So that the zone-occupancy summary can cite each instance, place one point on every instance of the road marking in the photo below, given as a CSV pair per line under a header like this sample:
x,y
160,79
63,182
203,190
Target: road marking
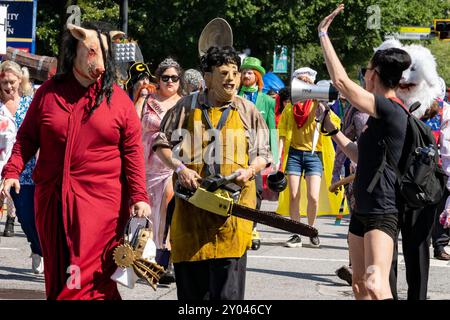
x,y
15,249
433,262
297,258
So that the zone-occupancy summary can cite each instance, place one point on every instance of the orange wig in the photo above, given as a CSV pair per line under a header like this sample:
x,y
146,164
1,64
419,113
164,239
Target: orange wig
x,y
259,80
151,90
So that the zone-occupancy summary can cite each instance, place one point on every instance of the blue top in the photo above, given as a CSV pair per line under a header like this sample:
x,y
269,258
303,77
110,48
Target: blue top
x,y
24,104
251,96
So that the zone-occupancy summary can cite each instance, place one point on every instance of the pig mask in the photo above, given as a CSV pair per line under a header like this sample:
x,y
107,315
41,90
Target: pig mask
x,y
89,62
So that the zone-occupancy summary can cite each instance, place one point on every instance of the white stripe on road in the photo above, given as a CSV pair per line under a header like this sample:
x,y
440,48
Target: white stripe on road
x,y
433,262
15,249
296,258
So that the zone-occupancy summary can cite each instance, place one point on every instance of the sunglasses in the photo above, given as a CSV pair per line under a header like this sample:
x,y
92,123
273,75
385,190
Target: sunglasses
x,y
173,78
364,70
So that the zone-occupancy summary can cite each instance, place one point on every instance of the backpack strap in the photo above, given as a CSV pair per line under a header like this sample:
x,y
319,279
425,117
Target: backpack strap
x,y
387,159
387,156
380,170
400,102
414,106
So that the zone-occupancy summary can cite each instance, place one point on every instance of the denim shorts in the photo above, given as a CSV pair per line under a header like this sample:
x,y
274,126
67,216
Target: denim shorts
x,y
304,163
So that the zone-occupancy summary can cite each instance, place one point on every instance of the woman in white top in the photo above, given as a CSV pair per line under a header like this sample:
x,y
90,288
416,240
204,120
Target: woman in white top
x,y
15,98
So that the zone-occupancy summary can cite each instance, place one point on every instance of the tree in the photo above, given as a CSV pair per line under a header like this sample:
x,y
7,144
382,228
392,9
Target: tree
x,y
50,26
441,52
172,28
260,25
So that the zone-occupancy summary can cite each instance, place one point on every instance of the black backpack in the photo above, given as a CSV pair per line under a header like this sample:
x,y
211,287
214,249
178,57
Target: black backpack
x,y
420,178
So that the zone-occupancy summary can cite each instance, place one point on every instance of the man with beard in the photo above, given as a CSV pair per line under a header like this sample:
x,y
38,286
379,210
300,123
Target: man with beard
x,y
252,74
209,250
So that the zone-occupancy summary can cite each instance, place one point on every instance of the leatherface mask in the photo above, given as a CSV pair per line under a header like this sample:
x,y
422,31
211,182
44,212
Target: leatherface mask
x,y
223,82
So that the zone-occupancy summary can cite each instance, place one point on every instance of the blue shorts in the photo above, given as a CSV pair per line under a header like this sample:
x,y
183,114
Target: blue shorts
x,y
304,163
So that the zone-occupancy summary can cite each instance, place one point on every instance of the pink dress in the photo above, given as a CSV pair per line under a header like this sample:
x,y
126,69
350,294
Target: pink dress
x,y
157,174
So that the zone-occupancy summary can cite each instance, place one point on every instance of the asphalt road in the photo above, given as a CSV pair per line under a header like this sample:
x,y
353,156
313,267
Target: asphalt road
x,y
273,271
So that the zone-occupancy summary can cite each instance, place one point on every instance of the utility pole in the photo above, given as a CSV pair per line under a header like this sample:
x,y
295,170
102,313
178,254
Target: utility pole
x,y
124,16
292,61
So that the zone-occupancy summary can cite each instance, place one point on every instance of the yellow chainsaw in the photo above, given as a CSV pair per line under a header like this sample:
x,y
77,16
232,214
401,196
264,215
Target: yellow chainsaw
x,y
219,195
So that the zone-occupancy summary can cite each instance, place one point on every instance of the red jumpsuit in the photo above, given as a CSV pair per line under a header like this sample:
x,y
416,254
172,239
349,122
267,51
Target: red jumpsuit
x,y
89,171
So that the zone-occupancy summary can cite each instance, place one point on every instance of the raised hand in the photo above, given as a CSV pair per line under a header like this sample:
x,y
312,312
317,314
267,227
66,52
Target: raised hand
x,y
323,26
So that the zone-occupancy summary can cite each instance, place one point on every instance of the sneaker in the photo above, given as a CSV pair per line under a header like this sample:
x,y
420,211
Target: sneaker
x,y
345,273
294,242
37,263
442,255
314,242
9,227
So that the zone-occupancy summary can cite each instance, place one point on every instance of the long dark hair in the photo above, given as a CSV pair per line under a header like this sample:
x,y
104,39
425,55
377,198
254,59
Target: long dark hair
x,y
68,53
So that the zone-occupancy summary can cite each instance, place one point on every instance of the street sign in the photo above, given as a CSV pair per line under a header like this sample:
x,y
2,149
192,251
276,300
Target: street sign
x,y
414,30
21,24
3,24
413,33
413,36
280,60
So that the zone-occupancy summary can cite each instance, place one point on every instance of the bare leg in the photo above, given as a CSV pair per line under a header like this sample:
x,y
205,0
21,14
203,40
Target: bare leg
x,y
378,258
356,250
294,197
168,194
313,190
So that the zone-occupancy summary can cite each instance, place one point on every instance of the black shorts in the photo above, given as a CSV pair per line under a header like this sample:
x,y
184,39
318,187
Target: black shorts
x,y
362,223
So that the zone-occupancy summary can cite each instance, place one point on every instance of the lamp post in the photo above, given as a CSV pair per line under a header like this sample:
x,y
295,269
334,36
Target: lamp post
x,y
124,16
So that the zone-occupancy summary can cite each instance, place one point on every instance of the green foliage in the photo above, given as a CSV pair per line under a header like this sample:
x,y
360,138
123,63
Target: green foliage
x,y
52,17
173,27
441,51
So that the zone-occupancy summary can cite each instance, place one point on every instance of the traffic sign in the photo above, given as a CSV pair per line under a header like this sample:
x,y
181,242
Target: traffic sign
x,y
3,24
413,36
413,33
414,30
21,24
280,60
442,29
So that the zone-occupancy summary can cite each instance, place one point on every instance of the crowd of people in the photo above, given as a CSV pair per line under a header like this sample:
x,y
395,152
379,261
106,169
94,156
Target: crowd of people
x,y
81,154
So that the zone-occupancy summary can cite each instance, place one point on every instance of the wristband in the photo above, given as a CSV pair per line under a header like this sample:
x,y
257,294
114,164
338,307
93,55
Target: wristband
x,y
323,34
332,133
179,168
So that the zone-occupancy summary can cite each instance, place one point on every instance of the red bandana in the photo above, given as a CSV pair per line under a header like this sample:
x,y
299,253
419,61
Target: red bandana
x,y
302,111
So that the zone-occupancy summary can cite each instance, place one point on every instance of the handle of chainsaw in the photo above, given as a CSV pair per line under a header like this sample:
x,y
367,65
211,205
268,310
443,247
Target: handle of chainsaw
x,y
232,176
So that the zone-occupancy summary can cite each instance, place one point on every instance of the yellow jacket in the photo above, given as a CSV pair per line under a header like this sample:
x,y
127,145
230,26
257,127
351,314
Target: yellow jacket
x,y
329,203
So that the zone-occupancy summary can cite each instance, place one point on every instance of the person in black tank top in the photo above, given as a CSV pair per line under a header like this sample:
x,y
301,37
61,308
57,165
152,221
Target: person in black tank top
x,y
373,225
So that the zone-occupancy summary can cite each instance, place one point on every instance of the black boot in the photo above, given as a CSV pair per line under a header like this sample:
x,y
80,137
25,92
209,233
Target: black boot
x,y
168,276
9,227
